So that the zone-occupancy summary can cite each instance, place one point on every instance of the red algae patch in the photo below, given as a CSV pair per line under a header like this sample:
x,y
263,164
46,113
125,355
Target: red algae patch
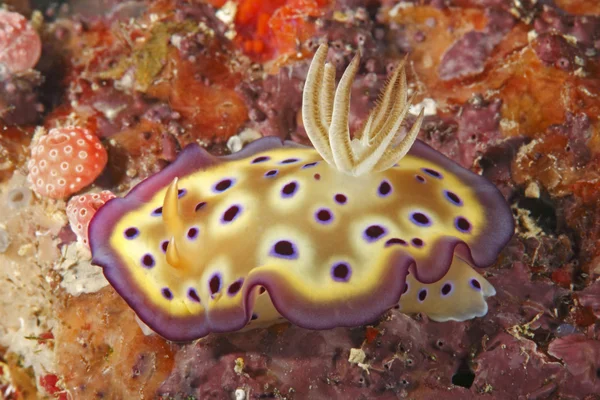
x,y
216,113
65,161
579,7
268,29
20,44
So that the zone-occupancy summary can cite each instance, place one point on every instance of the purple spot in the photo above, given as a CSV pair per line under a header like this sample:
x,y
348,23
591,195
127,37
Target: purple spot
x,y
254,316
181,193
420,219
148,261
317,177
166,292
340,272
289,189
462,224
131,233
231,214
432,172
157,212
235,287
214,285
193,295
394,241
223,185
475,284
200,206
422,295
289,161
384,189
374,233
310,165
324,216
164,245
260,159
446,289
420,179
271,173
453,198
418,242
193,233
340,198
284,249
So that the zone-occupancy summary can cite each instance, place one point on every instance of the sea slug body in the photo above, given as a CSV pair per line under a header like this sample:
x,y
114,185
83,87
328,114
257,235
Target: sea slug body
x,y
328,236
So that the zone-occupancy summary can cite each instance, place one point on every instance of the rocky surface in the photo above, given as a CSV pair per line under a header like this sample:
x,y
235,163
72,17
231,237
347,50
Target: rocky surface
x,y
510,91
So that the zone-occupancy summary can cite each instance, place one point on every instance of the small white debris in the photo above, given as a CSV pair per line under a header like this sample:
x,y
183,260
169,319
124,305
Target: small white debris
x,y
571,39
427,104
238,368
532,191
531,35
126,82
109,111
357,356
240,394
176,41
400,6
234,144
227,12
237,142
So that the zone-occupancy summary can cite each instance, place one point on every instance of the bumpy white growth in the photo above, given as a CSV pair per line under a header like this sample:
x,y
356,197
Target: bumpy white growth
x,y
325,113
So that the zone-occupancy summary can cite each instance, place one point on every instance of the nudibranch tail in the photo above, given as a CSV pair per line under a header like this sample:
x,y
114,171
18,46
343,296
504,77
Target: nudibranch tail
x,y
326,119
460,295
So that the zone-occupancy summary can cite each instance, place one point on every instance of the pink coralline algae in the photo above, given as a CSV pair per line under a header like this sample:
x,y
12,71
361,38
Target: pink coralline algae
x,y
469,54
405,357
20,44
582,359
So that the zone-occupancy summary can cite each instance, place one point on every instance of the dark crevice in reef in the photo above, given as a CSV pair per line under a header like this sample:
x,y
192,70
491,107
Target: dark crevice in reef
x,y
463,376
542,210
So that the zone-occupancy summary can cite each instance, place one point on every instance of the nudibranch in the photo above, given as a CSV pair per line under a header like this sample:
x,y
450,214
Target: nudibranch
x,y
328,236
